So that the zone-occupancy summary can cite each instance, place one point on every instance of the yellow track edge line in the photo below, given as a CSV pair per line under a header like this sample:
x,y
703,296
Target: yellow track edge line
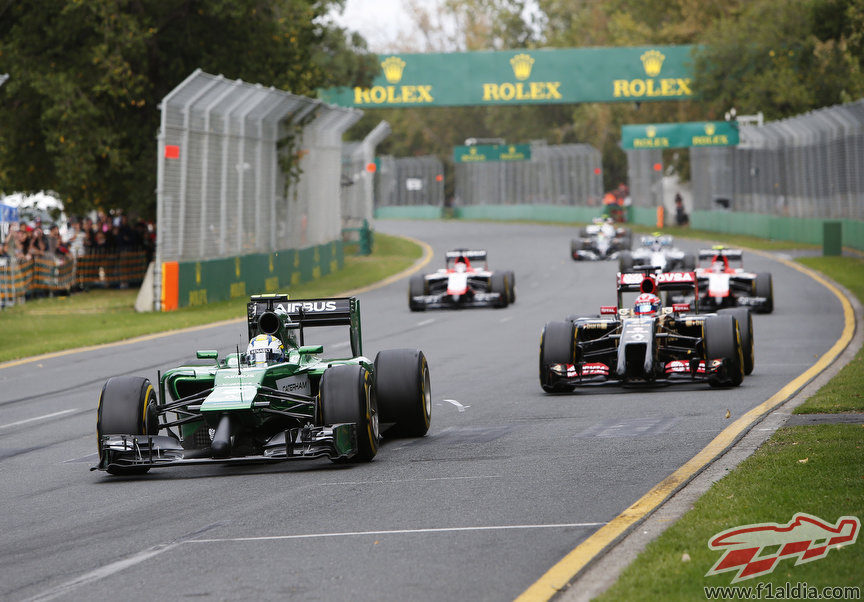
x,y
556,578
418,265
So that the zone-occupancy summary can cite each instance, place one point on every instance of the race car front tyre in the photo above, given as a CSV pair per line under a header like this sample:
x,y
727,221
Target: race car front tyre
x,y
127,406
511,286
416,288
765,288
556,347
498,284
403,392
346,396
745,329
575,247
723,341
625,261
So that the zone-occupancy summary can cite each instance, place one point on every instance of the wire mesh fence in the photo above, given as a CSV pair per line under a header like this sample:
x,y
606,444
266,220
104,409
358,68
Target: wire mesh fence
x,y
246,169
808,166
358,179
646,181
410,182
567,174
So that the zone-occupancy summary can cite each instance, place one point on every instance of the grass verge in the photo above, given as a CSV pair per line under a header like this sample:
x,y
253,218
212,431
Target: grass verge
x,y
813,469
102,316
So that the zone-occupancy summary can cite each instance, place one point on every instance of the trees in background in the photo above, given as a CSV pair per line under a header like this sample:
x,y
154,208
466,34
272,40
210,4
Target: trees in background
x,y
79,111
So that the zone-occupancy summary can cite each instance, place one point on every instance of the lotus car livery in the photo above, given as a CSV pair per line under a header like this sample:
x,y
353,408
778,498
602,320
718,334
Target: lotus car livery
x,y
675,344
600,240
466,281
723,282
659,252
278,401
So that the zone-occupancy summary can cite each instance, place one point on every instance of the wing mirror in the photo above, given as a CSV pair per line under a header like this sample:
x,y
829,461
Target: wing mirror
x,y
206,354
310,349
608,310
680,307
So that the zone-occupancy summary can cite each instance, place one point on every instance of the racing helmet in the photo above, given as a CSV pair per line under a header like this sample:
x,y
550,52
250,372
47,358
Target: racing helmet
x,y
647,304
263,349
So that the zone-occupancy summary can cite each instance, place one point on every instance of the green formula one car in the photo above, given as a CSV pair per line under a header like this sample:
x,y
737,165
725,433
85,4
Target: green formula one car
x,y
280,400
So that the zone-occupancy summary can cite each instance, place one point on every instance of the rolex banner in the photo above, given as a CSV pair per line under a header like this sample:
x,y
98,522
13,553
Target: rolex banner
x,y
548,76
678,135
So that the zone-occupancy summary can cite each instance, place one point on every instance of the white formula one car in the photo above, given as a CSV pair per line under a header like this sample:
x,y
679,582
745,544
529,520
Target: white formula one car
x,y
659,251
462,283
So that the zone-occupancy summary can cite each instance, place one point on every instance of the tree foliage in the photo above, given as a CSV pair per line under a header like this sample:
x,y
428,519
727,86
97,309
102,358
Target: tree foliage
x,y
79,111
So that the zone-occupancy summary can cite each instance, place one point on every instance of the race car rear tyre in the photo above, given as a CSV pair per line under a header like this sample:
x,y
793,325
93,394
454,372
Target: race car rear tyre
x,y
723,341
765,288
511,286
625,261
127,406
346,396
688,262
403,392
745,329
498,284
556,347
416,288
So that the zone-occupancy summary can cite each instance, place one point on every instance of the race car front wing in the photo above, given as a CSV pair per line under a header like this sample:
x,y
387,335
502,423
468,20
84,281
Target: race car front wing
x,y
444,300
335,441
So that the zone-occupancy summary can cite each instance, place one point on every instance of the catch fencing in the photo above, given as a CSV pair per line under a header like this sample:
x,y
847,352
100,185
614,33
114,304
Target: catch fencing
x,y
358,188
244,169
808,166
564,175
410,182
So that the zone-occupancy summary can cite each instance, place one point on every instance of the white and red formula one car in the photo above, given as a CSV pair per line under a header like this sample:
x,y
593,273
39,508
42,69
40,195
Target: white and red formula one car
x,y
466,281
722,284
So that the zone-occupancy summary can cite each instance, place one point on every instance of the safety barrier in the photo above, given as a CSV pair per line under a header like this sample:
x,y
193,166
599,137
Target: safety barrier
x,y
22,278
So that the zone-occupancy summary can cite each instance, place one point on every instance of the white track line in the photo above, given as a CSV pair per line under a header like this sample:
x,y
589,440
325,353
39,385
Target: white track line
x,y
44,417
425,322
394,532
327,484
102,572
458,405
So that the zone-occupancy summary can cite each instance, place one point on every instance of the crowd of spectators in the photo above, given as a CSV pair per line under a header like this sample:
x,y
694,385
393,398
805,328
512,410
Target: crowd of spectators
x,y
105,234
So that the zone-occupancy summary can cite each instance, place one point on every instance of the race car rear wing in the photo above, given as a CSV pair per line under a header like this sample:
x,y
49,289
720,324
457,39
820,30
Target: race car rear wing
x,y
646,282
731,254
469,254
268,313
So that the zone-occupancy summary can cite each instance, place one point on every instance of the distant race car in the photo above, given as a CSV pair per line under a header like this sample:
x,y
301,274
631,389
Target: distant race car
x,y
466,281
723,285
280,400
648,344
600,240
659,251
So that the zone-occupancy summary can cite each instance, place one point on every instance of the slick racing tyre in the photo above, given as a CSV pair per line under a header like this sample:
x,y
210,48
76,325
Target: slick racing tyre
x,y
127,406
498,284
511,286
402,391
745,329
556,347
416,288
723,341
575,247
625,261
765,288
346,396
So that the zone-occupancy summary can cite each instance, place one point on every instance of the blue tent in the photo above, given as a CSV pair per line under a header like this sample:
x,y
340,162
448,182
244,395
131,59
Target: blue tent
x,y
8,213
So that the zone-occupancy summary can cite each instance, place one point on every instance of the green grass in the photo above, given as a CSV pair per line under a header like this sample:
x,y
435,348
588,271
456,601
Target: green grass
x,y
103,316
844,392
813,469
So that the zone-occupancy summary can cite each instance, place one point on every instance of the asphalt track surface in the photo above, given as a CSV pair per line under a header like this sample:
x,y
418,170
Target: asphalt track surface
x,y
507,482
